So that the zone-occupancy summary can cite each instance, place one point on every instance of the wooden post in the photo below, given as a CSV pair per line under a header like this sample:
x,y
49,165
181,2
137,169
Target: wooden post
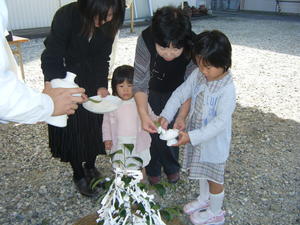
x,y
16,41
132,17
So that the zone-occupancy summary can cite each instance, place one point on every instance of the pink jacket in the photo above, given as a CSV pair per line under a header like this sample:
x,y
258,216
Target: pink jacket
x,y
125,121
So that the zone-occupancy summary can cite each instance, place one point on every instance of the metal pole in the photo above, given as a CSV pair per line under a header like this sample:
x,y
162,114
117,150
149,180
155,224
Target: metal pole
x,y
150,7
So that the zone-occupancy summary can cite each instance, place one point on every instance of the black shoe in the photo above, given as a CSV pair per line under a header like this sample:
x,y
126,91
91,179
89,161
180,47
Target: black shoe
x,y
173,178
92,174
154,179
84,187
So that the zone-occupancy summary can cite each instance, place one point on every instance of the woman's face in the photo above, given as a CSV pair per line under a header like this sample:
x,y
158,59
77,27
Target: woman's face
x,y
168,53
108,18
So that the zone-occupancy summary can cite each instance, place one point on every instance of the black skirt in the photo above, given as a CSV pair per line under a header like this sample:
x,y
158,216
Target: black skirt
x,y
81,140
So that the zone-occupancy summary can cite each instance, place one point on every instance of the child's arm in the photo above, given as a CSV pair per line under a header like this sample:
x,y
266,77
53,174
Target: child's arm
x,y
106,128
179,96
225,109
107,132
107,145
181,117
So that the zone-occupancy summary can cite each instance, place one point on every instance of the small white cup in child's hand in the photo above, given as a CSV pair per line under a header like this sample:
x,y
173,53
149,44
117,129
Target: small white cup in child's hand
x,y
171,142
168,135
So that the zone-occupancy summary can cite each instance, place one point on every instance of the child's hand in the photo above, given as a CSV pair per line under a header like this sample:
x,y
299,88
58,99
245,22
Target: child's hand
x,y
163,123
179,123
108,145
103,92
183,139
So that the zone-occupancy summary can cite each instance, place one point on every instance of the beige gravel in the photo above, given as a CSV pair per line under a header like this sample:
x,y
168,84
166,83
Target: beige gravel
x,y
262,176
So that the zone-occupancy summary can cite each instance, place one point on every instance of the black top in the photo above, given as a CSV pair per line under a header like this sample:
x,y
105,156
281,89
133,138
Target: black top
x,y
68,50
165,76
88,57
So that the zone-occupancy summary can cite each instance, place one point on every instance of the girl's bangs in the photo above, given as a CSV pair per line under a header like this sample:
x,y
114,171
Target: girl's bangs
x,y
205,61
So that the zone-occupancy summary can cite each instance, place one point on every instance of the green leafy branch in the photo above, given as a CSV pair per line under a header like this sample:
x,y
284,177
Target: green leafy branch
x,y
123,163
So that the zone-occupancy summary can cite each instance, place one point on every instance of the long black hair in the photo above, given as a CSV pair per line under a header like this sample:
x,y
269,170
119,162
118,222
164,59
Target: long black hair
x,y
214,48
121,74
90,9
171,25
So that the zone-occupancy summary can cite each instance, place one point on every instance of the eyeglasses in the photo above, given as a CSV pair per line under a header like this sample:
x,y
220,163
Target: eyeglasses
x,y
155,71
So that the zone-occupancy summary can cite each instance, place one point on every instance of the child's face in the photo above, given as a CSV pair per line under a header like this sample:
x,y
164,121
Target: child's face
x,y
124,90
210,72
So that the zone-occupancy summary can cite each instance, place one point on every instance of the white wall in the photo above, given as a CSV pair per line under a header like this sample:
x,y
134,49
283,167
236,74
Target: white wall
x,y
161,3
39,13
269,6
64,2
290,7
25,14
196,3
30,13
260,5
142,7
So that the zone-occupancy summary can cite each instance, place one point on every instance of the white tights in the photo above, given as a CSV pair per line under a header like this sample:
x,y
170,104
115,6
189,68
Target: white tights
x,y
204,190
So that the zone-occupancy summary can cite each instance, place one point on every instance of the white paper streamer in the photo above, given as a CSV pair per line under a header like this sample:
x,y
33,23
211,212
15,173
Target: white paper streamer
x,y
122,194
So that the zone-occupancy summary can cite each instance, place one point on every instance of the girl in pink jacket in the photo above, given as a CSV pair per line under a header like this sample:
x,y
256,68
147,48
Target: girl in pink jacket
x,y
123,126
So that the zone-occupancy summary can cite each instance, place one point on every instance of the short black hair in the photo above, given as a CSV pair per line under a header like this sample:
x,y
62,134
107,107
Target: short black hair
x,y
214,48
171,25
89,9
121,74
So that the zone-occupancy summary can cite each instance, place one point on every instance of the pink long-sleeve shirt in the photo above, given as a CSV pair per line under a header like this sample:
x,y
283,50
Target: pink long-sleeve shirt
x,y
125,122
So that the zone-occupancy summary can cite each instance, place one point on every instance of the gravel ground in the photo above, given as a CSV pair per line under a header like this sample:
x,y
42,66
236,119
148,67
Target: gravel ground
x,y
262,175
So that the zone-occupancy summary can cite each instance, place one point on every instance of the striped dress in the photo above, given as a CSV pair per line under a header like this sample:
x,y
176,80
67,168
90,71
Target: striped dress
x,y
198,169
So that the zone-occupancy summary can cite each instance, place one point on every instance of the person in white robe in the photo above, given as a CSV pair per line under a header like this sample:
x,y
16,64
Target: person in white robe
x,y
18,102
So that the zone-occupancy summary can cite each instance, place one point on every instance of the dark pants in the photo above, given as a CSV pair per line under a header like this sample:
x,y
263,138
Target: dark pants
x,y
161,154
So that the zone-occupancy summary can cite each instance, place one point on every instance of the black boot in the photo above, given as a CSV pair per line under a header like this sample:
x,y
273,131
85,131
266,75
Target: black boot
x,y
83,186
91,174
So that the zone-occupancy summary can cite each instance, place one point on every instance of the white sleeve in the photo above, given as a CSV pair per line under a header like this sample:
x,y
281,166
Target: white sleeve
x,y
18,103
179,96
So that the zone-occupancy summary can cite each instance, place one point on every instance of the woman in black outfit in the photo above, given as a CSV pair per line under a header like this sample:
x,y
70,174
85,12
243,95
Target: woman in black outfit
x,y
162,62
80,41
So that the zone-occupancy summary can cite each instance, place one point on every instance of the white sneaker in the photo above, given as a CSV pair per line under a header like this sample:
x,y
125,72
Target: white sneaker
x,y
207,218
194,206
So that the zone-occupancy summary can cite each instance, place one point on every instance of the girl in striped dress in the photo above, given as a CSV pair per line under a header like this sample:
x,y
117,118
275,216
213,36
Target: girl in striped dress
x,y
208,135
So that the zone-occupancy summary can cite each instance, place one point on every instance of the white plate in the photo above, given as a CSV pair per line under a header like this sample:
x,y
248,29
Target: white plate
x,y
107,104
